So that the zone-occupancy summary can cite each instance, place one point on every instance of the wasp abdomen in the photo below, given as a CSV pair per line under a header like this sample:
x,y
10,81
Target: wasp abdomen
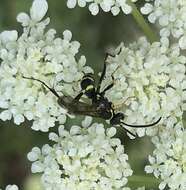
x,y
88,85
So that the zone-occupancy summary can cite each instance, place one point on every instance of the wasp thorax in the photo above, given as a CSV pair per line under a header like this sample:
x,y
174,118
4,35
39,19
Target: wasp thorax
x,y
103,104
104,108
88,85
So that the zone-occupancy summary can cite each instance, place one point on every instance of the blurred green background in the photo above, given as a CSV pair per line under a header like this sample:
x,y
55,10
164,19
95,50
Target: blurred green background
x,y
96,34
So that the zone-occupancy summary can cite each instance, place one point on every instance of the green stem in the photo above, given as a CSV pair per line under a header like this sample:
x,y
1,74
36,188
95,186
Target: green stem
x,y
139,181
151,35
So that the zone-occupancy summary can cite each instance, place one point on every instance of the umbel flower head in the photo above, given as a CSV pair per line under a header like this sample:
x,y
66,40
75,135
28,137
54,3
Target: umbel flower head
x,y
37,53
84,158
149,82
113,6
170,15
168,161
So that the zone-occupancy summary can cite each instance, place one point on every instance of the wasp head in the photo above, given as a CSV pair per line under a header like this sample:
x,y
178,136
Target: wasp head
x,y
117,118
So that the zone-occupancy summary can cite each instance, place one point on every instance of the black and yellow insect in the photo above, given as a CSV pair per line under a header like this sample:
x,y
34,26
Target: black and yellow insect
x,y
100,106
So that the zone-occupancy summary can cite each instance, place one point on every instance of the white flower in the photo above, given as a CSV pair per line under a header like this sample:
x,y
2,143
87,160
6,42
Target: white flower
x,y
38,9
82,158
170,14
94,9
106,5
71,3
8,36
141,188
37,12
11,187
37,53
169,158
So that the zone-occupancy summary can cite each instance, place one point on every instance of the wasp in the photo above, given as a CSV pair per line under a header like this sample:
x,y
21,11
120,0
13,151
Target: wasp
x,y
100,106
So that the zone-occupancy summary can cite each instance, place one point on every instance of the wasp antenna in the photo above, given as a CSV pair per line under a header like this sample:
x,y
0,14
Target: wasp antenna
x,y
128,131
141,126
51,89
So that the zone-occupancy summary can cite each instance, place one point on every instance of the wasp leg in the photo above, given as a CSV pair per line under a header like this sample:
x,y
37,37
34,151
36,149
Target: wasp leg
x,y
102,76
104,70
108,87
118,105
128,131
77,98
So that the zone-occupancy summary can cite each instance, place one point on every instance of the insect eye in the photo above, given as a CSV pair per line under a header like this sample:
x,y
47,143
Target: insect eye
x,y
120,116
116,120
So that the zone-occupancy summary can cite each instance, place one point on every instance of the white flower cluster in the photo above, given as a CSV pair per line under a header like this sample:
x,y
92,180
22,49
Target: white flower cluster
x,y
169,158
113,6
149,82
171,16
84,158
11,187
153,75
37,53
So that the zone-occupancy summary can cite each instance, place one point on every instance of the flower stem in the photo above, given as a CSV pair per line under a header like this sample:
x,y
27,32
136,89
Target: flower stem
x,y
150,34
147,181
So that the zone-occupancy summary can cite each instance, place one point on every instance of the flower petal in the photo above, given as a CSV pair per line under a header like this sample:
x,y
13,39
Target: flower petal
x,y
38,9
8,36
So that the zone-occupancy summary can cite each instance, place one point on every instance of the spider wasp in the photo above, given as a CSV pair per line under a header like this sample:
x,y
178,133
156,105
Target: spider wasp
x,y
100,106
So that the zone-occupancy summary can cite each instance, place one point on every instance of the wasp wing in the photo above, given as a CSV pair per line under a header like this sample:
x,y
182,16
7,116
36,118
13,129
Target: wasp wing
x,y
78,108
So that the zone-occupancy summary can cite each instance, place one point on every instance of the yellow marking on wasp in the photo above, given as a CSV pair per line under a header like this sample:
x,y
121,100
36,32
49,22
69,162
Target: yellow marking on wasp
x,y
89,87
112,112
88,77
